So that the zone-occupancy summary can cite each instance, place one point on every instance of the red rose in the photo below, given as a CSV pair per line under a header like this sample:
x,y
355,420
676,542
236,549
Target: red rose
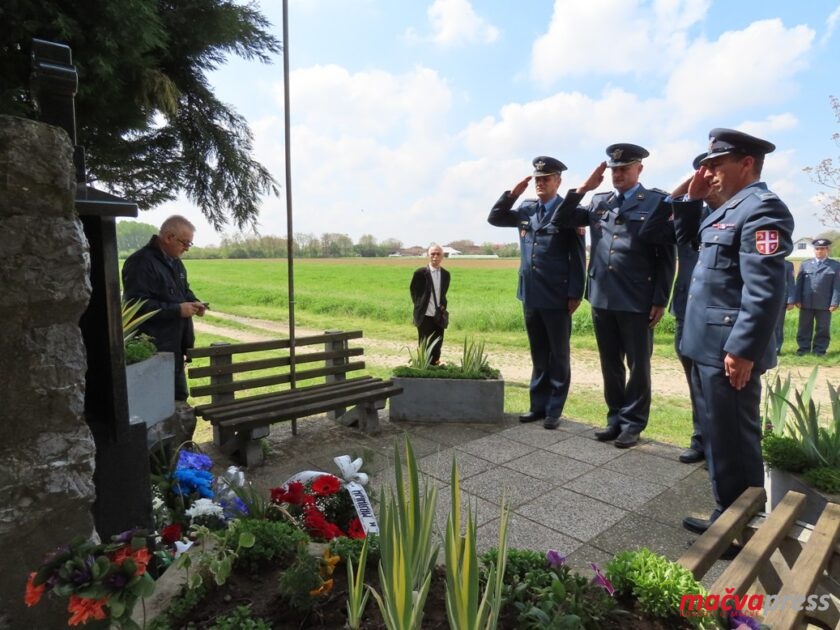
x,y
326,485
171,533
355,529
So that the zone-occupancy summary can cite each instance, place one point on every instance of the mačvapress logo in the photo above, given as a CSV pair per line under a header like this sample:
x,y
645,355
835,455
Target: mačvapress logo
x,y
750,605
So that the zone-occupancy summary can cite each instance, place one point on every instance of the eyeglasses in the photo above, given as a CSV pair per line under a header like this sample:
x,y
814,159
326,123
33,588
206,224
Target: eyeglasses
x,y
186,244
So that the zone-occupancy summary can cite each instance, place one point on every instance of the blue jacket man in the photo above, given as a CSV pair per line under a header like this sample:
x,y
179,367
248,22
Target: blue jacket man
x,y
629,284
817,296
737,291
790,301
551,276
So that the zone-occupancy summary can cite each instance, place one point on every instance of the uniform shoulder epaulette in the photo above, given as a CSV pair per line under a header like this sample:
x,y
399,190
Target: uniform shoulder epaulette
x,y
664,193
530,200
768,196
608,193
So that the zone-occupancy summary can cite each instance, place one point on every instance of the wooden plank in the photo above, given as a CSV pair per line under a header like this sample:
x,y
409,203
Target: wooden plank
x,y
708,548
808,568
260,420
300,397
209,408
273,344
278,379
740,574
264,364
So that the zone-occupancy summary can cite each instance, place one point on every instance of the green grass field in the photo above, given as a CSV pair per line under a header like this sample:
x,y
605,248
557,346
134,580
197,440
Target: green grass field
x,y
372,295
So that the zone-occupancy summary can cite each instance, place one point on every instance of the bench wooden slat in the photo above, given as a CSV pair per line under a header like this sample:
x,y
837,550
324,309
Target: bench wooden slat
x,y
287,413
264,364
246,400
740,574
808,568
300,396
279,379
708,548
273,344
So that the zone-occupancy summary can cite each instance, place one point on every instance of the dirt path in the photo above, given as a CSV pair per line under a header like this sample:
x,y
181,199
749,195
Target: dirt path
x,y
667,375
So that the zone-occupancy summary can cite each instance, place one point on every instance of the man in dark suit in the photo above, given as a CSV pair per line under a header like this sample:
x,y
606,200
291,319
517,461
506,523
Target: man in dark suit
x,y
817,296
428,289
737,290
790,302
629,284
550,285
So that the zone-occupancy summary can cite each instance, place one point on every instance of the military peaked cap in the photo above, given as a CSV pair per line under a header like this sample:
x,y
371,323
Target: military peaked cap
x,y
821,242
698,160
544,165
726,141
622,154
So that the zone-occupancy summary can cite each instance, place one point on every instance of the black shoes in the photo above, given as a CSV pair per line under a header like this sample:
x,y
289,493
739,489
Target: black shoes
x,y
551,423
626,439
531,416
696,525
691,456
608,434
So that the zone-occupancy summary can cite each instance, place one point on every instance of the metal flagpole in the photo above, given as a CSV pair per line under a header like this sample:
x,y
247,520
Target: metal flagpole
x,y
289,230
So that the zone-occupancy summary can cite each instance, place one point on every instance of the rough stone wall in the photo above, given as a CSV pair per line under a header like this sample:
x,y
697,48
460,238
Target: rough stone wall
x,y
46,449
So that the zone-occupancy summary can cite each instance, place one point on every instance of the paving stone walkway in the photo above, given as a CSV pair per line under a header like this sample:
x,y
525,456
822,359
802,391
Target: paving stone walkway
x,y
569,492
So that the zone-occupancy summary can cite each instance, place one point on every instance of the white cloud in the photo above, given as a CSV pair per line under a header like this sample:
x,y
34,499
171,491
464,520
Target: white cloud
x,y
454,23
830,25
614,37
753,66
769,126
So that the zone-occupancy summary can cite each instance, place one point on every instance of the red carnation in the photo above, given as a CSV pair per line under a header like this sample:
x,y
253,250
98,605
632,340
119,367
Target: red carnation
x,y
355,529
326,485
293,493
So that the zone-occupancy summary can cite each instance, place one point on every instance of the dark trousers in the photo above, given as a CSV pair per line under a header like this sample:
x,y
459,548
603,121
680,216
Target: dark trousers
x,y
181,392
548,331
780,330
731,431
696,401
428,328
816,323
621,336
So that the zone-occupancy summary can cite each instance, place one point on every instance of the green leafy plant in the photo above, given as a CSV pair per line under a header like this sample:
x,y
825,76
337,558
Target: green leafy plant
x,y
240,619
139,349
301,582
216,555
775,403
464,609
825,478
473,357
539,591
421,358
131,320
657,584
784,453
407,555
357,594
274,542
351,548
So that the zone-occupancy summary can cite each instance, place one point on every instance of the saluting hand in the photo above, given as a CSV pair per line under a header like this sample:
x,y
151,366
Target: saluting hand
x,y
594,180
738,370
680,190
699,187
520,187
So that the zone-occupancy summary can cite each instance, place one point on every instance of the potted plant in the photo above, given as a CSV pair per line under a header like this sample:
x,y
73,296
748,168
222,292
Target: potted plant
x,y
148,373
801,447
470,392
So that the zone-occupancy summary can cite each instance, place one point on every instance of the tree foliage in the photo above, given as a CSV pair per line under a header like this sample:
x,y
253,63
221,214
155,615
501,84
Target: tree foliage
x,y
146,114
132,235
827,174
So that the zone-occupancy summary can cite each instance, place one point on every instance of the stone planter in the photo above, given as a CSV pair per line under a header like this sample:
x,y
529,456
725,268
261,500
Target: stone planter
x,y
778,482
448,400
151,389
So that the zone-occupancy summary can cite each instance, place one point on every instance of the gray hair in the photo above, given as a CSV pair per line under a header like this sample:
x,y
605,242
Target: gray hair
x,y
174,222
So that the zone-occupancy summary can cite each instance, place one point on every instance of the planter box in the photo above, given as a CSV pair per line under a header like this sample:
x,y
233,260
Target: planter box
x,y
778,482
448,400
151,389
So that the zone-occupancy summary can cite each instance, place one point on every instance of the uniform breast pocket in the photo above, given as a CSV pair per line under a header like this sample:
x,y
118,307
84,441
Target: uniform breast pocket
x,y
719,250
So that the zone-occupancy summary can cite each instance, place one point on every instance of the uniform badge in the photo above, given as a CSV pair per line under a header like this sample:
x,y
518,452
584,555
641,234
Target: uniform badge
x,y
540,164
767,241
640,196
616,154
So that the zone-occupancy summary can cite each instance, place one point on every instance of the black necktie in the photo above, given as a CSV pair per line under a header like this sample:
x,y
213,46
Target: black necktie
x,y
540,213
619,200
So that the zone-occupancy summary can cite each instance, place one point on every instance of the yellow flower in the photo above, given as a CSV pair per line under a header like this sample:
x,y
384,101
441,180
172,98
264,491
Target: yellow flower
x,y
328,563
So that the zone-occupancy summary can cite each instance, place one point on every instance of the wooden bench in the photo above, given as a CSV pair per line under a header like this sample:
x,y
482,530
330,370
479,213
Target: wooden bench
x,y
780,556
241,413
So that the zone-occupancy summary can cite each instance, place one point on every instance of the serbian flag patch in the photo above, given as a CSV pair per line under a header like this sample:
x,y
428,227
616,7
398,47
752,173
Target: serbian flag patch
x,y
767,241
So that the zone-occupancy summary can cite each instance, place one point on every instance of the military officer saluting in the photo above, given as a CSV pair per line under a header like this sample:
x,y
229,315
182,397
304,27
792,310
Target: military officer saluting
x,y
629,284
817,296
551,277
737,290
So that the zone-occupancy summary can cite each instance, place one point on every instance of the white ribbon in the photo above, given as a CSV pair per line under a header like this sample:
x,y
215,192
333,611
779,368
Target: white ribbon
x,y
350,470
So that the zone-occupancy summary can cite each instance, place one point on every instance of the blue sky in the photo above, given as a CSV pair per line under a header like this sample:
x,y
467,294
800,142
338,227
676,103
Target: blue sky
x,y
410,118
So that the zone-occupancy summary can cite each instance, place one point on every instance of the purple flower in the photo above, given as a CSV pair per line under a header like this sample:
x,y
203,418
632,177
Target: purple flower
x,y
125,537
118,580
601,580
187,459
555,560
740,621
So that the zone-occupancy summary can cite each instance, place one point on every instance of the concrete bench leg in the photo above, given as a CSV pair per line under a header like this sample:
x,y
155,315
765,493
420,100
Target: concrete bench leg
x,y
364,416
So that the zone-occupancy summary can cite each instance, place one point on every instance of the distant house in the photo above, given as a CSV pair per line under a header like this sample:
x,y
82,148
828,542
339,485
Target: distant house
x,y
802,248
450,251
416,250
